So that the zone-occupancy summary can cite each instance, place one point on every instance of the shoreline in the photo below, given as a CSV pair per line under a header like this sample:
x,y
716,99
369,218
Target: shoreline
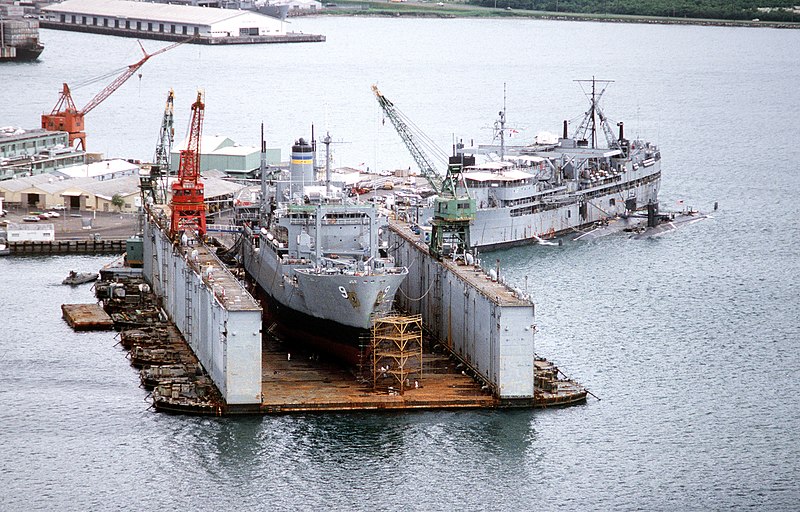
x,y
451,10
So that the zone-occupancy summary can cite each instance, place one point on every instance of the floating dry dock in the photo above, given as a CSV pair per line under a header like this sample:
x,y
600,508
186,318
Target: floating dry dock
x,y
484,358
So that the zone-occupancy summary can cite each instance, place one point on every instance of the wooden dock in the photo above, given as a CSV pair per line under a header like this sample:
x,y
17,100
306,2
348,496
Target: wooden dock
x,y
85,317
102,246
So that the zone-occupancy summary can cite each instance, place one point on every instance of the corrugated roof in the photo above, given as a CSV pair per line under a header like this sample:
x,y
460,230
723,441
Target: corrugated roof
x,y
17,184
124,186
95,169
151,11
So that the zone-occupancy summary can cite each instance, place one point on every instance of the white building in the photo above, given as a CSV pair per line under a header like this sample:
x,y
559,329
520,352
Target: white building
x,y
157,18
31,232
304,6
100,171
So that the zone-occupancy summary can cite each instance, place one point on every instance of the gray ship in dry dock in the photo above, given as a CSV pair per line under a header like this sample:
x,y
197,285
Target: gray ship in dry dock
x,y
559,185
317,256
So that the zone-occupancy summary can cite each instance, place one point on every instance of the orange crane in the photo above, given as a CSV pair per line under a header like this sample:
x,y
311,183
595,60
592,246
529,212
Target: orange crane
x,y
187,204
66,117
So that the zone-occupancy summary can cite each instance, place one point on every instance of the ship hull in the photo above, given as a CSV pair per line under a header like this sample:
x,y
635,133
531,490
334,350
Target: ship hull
x,y
26,54
347,300
496,228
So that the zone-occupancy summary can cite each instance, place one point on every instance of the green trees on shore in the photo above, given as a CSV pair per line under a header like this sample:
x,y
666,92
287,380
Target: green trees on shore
x,y
780,10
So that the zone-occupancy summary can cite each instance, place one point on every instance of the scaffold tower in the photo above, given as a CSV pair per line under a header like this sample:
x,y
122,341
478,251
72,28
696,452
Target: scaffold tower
x,y
396,343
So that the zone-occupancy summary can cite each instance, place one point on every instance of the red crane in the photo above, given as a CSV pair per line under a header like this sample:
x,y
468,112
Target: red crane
x,y
188,206
66,117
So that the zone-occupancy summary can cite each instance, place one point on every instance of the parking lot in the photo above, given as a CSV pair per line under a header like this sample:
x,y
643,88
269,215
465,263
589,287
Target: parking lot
x,y
73,224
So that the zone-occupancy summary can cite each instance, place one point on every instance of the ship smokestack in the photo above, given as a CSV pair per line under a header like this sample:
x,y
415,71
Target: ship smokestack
x,y
565,136
621,131
302,167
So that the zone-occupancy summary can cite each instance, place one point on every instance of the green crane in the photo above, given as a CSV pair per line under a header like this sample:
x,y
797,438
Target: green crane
x,y
154,185
453,213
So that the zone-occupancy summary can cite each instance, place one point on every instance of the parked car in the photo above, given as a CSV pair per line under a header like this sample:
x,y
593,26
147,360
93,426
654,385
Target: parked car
x,y
59,207
43,216
54,215
30,218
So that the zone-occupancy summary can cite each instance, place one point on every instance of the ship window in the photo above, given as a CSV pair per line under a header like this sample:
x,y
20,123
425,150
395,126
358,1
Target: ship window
x,y
569,213
127,24
105,22
161,27
149,27
138,25
172,28
116,23
64,18
196,30
612,201
73,18
94,21
185,30
83,19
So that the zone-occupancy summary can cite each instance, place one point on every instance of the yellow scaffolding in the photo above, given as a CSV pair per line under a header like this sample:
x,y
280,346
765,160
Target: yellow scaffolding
x,y
396,344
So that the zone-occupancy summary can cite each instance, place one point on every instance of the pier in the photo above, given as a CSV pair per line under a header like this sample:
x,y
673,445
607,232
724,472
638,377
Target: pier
x,y
91,246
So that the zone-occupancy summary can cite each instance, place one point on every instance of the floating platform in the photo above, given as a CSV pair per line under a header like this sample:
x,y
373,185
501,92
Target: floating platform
x,y
85,317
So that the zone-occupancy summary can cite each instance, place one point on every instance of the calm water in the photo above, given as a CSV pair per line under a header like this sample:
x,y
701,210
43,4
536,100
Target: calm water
x,y
691,340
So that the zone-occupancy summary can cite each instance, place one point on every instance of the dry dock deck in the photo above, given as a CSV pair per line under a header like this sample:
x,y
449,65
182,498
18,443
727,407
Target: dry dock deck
x,y
304,384
86,317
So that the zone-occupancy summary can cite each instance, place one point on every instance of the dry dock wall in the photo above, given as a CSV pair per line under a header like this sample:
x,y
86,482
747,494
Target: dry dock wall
x,y
482,321
217,317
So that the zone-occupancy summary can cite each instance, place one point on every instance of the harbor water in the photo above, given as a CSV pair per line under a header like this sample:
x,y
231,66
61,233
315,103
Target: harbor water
x,y
690,340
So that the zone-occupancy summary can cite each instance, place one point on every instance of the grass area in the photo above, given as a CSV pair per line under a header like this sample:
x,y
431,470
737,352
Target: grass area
x,y
461,10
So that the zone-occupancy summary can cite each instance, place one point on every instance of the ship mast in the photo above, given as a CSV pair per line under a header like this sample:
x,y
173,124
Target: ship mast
x,y
589,122
327,142
500,126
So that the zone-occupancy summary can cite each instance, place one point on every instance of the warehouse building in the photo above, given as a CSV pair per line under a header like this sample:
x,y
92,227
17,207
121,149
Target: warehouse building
x,y
223,154
160,21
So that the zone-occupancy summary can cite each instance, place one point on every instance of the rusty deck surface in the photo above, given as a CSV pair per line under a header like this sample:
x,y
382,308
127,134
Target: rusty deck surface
x,y
86,316
304,383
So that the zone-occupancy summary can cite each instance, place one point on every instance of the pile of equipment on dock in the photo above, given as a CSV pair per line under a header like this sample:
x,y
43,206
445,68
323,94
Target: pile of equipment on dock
x,y
167,366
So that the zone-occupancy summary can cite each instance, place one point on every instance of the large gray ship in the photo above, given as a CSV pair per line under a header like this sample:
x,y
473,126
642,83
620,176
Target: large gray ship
x,y
559,185
317,257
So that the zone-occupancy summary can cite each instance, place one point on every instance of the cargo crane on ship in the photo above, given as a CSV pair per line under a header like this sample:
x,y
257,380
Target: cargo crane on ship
x,y
187,204
153,185
453,212
66,117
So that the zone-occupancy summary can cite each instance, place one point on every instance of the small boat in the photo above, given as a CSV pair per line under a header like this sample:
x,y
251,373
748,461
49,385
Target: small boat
x,y
4,250
76,278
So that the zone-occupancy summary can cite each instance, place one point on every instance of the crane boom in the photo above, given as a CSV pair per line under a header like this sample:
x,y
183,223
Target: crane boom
x,y
122,78
406,134
166,136
66,117
188,206
452,213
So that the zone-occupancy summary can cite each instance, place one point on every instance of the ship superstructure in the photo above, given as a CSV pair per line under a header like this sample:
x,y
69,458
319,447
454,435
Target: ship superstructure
x,y
317,253
559,184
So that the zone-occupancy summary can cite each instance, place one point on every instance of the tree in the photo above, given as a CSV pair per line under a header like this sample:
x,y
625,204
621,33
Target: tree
x,y
118,201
